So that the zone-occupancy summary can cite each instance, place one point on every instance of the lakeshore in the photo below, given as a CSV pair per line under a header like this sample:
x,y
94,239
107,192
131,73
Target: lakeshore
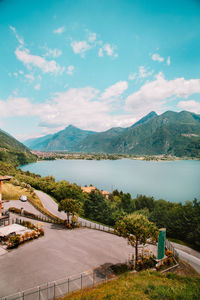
x,y
43,155
175,181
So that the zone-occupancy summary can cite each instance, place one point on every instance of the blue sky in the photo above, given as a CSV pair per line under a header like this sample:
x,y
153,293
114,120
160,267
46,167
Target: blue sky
x,y
95,64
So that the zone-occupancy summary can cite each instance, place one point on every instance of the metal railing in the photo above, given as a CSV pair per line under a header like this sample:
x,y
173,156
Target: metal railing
x,y
170,247
61,287
96,226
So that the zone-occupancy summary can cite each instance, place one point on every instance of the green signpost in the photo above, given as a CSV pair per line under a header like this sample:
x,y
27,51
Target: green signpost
x,y
161,243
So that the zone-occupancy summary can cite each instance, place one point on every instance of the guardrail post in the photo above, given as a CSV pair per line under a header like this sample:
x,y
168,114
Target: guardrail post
x,y
38,293
54,290
68,286
81,282
48,292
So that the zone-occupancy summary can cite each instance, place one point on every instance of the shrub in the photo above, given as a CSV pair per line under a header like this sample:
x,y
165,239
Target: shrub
x,y
28,224
145,262
15,210
119,268
13,241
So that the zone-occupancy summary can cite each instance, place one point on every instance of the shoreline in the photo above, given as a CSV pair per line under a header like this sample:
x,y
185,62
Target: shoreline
x,y
42,156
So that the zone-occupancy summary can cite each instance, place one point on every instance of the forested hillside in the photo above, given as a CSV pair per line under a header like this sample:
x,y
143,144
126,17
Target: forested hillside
x,y
13,151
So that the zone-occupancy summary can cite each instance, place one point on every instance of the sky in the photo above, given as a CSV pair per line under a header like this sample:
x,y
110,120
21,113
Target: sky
x,y
95,64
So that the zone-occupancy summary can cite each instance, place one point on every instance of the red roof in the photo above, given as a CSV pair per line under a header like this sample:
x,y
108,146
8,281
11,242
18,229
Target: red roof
x,y
4,178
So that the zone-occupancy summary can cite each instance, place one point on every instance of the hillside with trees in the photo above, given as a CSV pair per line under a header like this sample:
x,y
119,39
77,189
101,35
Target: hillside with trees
x,y
13,151
181,220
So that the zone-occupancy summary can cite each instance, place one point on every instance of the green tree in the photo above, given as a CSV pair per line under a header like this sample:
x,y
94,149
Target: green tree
x,y
137,229
97,208
70,207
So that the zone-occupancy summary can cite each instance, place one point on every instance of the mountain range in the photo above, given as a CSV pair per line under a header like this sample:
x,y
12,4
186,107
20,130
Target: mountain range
x,y
171,133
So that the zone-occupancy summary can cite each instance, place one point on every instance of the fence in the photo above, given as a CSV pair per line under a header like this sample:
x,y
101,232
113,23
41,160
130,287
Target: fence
x,y
5,221
59,288
170,247
28,215
46,212
96,226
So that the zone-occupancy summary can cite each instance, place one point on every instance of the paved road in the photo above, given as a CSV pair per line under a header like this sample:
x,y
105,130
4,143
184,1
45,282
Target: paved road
x,y
25,205
52,207
189,255
186,253
59,254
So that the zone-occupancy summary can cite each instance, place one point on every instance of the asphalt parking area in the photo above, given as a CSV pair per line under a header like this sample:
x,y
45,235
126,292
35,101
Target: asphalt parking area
x,y
59,254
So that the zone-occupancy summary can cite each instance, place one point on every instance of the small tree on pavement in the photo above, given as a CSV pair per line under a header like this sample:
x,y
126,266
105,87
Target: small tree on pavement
x,y
137,229
69,206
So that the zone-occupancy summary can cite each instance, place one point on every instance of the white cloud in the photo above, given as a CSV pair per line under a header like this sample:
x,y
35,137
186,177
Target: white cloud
x,y
15,107
100,53
110,50
80,107
91,42
168,61
38,61
21,72
190,105
143,73
132,76
59,30
37,87
70,70
80,47
153,95
53,53
30,77
92,36
20,39
157,57
115,90
15,74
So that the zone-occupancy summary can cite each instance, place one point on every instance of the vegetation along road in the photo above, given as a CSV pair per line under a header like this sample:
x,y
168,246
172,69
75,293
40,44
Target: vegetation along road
x,y
52,207
186,253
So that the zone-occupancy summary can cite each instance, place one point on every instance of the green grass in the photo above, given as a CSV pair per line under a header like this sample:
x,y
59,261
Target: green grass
x,y
143,286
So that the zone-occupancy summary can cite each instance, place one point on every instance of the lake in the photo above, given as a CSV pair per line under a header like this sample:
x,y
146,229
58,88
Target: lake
x,y
175,181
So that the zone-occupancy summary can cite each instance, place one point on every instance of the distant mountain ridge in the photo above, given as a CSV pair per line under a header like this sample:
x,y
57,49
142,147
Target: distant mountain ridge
x,y
170,133
63,140
13,151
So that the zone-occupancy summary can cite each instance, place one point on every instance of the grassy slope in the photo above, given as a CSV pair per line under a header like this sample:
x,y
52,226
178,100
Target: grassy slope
x,y
143,286
12,192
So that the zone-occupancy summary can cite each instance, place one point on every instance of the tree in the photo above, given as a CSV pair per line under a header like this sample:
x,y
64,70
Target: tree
x,y
137,229
69,206
97,208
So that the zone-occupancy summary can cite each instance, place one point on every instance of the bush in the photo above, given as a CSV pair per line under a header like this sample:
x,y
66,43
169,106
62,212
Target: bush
x,y
145,262
15,210
13,241
28,224
119,268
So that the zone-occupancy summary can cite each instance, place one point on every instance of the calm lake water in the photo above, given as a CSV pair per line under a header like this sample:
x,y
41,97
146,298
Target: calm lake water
x,y
175,181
